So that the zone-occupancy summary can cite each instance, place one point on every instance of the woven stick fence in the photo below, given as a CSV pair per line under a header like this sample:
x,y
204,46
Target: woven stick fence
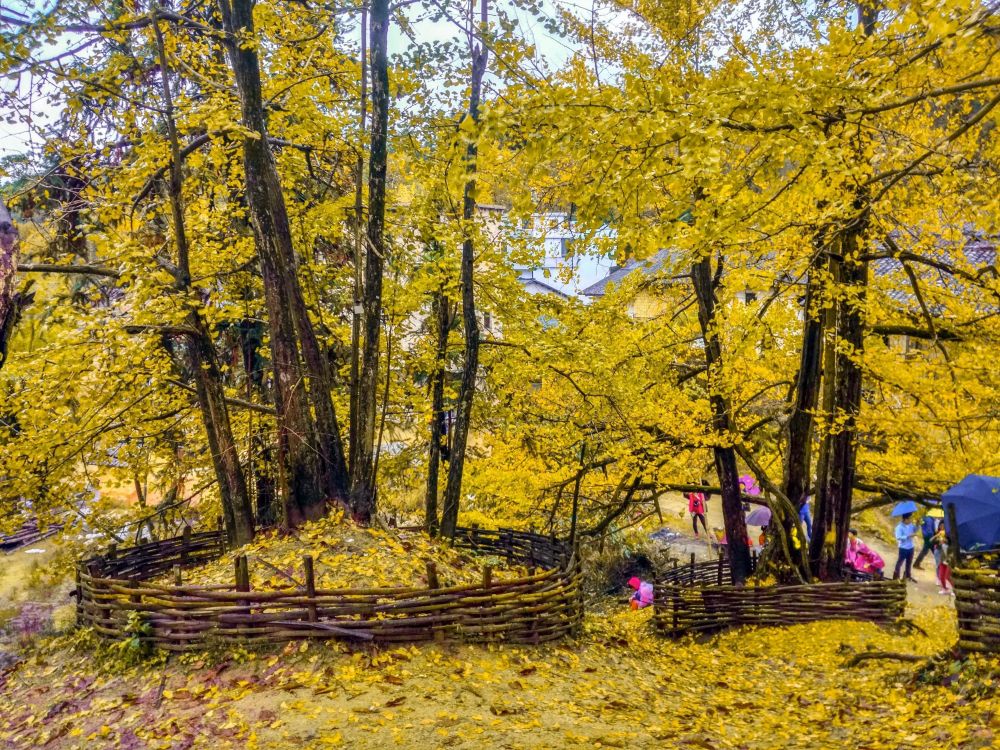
x,y
543,606
977,600
699,598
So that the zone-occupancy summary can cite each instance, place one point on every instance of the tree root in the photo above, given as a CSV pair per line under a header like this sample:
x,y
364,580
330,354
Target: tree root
x,y
867,655
906,623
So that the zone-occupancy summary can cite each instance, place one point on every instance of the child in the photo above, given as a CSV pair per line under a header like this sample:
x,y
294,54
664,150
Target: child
x,y
696,506
643,595
939,545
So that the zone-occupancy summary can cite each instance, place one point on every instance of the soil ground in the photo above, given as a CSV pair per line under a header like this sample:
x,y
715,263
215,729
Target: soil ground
x,y
616,685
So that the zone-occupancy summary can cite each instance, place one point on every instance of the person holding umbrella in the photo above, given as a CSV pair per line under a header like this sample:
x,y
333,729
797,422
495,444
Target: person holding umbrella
x,y
905,531
928,528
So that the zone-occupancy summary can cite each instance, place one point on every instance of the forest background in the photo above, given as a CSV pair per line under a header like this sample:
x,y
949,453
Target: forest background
x,y
251,262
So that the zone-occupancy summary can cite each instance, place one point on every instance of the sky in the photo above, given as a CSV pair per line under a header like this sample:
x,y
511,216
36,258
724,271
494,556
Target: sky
x,y
37,110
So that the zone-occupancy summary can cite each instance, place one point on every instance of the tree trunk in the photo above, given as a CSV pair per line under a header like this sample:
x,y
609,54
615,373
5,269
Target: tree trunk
x,y
363,497
453,489
236,506
438,441
311,456
799,432
359,252
823,520
10,247
267,509
847,403
237,509
725,456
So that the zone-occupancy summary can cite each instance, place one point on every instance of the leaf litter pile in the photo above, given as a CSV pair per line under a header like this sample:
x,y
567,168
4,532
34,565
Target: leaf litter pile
x,y
617,685
349,556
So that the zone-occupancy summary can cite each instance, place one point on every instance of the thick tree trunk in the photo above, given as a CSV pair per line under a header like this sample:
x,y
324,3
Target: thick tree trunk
x,y
311,454
725,456
363,495
438,439
470,368
850,332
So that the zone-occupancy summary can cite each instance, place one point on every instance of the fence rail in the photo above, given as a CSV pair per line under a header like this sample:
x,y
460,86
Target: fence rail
x,y
698,598
977,601
544,605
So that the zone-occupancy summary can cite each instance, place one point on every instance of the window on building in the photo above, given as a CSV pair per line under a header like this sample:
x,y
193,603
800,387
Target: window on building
x,y
487,321
749,297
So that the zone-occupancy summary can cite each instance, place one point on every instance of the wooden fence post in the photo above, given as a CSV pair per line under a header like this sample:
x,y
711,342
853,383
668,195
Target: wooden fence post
x,y
185,544
307,567
178,578
243,581
220,530
433,583
692,568
720,568
104,612
135,600
432,576
79,596
487,576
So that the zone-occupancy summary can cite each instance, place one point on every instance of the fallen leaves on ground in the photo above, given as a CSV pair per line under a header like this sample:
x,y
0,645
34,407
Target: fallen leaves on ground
x,y
617,685
349,556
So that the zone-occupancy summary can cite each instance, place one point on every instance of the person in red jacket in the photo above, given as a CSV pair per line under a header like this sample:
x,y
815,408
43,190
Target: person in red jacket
x,y
696,506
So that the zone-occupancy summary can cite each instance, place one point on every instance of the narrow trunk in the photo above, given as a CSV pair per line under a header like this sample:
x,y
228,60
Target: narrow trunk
x,y
799,431
823,521
438,447
267,510
311,456
453,489
236,506
9,252
237,509
362,469
725,456
359,253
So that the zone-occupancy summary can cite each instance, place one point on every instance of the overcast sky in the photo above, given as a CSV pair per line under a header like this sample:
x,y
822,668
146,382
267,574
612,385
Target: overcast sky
x,y
21,135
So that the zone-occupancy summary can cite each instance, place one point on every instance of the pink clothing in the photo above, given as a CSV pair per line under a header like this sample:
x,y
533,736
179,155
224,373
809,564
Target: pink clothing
x,y
644,592
863,558
696,502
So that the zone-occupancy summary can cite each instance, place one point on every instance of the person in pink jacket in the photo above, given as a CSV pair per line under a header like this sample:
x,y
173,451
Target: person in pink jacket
x,y
861,557
643,595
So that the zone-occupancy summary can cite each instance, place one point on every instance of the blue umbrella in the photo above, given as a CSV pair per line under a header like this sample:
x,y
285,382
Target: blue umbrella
x,y
904,508
977,511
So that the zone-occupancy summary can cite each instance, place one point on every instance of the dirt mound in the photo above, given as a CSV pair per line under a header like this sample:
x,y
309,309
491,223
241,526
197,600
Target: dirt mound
x,y
349,556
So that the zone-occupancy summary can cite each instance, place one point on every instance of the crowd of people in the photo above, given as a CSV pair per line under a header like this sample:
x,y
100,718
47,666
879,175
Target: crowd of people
x,y
857,555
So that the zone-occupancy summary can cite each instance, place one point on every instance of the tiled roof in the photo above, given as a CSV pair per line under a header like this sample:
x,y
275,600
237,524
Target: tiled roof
x,y
649,266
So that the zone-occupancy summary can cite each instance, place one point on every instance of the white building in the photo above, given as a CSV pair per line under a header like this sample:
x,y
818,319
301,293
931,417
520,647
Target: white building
x,y
565,266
